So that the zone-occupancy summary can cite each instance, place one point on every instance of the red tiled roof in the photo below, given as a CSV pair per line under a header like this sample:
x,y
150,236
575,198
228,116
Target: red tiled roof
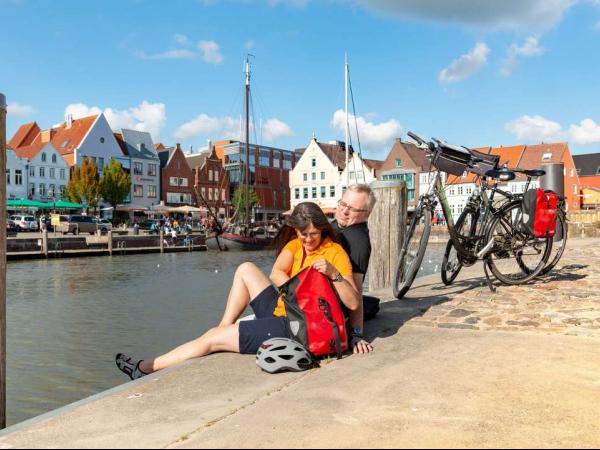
x,y
121,142
590,182
24,135
336,153
30,151
66,140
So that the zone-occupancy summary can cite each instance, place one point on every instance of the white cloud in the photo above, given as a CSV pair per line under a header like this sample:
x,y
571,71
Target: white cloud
x,y
227,127
588,132
169,54
274,129
371,134
530,48
466,65
535,129
150,117
181,39
249,45
18,110
537,15
211,52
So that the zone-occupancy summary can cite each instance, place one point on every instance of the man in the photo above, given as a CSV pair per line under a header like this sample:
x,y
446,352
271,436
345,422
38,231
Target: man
x,y
350,222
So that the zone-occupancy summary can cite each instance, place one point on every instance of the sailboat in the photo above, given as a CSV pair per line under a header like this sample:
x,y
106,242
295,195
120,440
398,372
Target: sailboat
x,y
243,235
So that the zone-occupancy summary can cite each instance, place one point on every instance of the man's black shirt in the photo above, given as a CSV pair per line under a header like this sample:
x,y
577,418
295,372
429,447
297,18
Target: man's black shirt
x,y
357,243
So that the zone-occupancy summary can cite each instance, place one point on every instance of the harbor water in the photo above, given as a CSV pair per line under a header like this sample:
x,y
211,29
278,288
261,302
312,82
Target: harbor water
x,y
67,318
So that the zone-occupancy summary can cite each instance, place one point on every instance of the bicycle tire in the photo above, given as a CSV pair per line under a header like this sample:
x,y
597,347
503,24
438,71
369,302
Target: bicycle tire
x,y
403,279
562,231
500,250
448,276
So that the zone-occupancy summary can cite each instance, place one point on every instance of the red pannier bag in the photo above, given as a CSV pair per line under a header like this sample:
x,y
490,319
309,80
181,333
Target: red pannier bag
x,y
539,212
314,313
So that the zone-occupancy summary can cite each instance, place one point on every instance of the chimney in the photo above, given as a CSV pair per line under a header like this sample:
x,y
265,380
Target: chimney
x,y
209,145
69,120
177,146
47,135
191,149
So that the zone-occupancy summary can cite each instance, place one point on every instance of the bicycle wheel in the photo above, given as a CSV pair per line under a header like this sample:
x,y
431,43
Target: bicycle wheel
x,y
413,251
559,242
466,226
516,257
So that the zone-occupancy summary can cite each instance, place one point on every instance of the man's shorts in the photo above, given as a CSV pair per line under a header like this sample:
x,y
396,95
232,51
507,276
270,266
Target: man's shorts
x,y
266,326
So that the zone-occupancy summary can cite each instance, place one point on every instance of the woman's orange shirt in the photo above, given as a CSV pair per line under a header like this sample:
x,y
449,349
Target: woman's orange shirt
x,y
334,253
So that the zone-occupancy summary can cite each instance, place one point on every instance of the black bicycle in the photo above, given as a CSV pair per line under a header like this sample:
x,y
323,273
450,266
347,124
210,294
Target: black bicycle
x,y
494,236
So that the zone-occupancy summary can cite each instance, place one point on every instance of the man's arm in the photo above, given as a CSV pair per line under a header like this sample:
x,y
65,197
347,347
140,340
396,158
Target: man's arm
x,y
356,320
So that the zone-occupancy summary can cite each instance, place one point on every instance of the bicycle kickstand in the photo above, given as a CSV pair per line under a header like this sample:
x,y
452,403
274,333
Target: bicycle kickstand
x,y
488,279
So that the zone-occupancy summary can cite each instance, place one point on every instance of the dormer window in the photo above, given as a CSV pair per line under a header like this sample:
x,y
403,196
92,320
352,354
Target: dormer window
x,y
398,163
547,157
64,144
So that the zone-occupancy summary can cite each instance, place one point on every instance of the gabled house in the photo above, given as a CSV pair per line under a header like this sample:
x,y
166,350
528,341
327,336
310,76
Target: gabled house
x,y
317,176
142,163
177,178
16,176
360,171
210,180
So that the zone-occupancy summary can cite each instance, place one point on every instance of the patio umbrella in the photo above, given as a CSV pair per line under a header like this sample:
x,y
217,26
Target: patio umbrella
x,y
61,204
188,209
25,203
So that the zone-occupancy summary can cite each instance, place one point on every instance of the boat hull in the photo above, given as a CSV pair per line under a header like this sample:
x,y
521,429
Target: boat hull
x,y
235,242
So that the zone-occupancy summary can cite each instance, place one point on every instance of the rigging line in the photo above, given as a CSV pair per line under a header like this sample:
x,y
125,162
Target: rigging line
x,y
357,134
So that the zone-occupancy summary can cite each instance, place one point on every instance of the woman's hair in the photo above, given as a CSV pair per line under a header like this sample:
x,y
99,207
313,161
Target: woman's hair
x,y
304,215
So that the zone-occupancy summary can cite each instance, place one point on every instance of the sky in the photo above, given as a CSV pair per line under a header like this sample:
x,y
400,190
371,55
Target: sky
x,y
474,73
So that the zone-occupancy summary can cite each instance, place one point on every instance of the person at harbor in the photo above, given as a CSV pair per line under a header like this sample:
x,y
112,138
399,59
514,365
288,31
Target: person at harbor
x,y
306,240
350,223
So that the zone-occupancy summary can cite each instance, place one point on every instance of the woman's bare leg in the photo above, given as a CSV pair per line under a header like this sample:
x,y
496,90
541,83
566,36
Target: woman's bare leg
x,y
219,339
248,282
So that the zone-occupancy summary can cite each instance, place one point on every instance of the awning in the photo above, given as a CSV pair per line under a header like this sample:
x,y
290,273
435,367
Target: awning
x,y
65,205
26,203
188,209
131,208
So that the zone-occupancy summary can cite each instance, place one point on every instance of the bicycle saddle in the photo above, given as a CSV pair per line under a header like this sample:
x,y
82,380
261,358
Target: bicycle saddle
x,y
531,173
501,174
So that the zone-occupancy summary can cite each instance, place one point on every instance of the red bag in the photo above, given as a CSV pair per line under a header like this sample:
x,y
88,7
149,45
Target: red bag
x,y
314,315
539,212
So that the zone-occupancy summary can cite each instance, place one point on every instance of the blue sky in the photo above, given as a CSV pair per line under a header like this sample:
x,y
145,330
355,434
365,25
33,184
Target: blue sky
x,y
471,72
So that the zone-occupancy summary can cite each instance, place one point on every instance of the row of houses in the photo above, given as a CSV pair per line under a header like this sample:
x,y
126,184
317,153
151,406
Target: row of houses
x,y
39,164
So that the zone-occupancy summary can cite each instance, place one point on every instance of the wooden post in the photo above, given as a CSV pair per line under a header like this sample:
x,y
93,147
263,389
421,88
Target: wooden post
x,y
110,242
3,262
162,241
45,243
387,225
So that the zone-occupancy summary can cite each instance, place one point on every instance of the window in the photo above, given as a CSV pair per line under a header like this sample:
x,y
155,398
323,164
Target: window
x,y
210,193
574,189
63,190
314,176
138,168
102,140
287,161
173,181
151,170
314,192
598,171
52,190
210,175
332,191
223,195
43,157
216,175
175,197
313,162
31,171
43,190
297,193
138,190
100,164
54,159
398,163
151,191
203,192
7,176
183,182
546,156
323,192
572,172
42,172
52,172
305,193
460,190
322,176
62,174
451,192
276,159
19,177
305,177
264,158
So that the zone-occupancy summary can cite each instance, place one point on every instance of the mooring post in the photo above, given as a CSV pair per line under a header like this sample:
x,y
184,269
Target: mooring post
x,y
162,241
45,242
387,225
3,263
110,242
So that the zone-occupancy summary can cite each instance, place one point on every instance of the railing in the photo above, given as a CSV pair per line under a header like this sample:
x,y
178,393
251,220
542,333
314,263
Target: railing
x,y
592,216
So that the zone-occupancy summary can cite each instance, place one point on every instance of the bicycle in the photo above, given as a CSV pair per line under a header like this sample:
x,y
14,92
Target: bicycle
x,y
498,238
452,263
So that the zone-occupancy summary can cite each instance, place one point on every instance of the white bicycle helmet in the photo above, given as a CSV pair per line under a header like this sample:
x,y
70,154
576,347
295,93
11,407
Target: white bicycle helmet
x,y
282,354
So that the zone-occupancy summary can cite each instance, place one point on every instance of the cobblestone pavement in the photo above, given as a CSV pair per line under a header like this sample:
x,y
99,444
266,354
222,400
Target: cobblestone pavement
x,y
566,301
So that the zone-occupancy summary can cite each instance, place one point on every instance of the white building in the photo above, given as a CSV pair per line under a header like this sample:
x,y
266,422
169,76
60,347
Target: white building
x,y
317,175
16,176
360,171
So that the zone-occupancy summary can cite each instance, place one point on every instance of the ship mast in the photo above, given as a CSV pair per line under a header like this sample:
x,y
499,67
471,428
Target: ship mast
x,y
247,165
347,122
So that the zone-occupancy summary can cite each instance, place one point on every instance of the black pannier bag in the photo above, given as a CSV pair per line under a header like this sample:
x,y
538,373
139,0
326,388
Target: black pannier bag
x,y
451,159
488,162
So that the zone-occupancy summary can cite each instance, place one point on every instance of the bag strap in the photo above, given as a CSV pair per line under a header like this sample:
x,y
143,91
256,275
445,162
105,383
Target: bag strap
x,y
324,307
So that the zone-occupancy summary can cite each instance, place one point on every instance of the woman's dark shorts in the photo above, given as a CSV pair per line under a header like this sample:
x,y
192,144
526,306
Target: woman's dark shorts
x,y
266,326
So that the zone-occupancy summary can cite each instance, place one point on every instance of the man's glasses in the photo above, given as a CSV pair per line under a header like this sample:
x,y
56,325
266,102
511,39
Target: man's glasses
x,y
345,205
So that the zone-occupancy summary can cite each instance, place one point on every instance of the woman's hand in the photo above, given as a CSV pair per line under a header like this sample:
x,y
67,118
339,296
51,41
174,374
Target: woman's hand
x,y
323,266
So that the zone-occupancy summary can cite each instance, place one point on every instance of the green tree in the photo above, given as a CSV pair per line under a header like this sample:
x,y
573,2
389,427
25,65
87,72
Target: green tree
x,y
90,183
115,183
73,190
239,203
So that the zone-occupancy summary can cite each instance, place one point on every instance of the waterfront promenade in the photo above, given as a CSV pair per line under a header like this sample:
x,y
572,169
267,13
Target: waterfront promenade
x,y
453,367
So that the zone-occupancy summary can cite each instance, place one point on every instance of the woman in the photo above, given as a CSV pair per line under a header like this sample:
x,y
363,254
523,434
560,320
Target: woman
x,y
306,240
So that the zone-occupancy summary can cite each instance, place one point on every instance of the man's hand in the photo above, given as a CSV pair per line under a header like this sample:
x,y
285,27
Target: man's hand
x,y
359,345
